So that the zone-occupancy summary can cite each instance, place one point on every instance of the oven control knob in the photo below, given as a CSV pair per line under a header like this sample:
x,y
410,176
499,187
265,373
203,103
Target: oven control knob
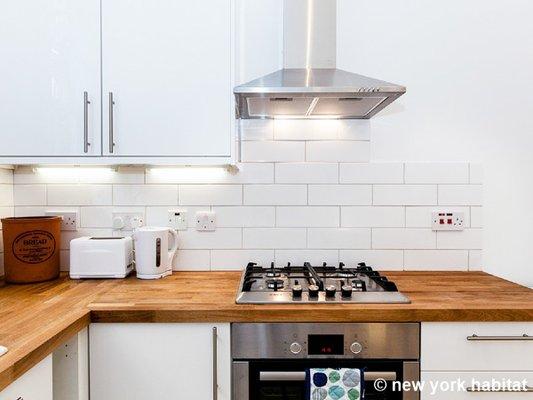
x,y
356,348
313,290
295,348
297,291
330,291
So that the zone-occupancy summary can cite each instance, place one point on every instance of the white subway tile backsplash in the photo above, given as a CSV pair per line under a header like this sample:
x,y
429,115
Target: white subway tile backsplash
x,y
399,238
6,212
436,173
301,129
96,217
307,173
338,238
307,216
222,238
342,195
444,260
246,173
313,256
192,260
476,216
337,151
354,129
275,195
420,217
461,194
305,192
475,260
29,195
79,195
467,239
274,238
210,194
381,260
372,217
6,195
145,195
408,195
245,216
371,173
238,259
256,129
476,173
273,151
6,176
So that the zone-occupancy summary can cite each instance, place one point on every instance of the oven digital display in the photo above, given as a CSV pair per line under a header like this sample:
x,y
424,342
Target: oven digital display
x,y
325,344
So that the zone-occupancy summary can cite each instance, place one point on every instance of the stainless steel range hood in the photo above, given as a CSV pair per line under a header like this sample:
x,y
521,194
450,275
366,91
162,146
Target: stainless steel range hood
x,y
310,86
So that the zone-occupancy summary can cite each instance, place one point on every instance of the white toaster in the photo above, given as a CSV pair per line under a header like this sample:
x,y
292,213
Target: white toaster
x,y
101,257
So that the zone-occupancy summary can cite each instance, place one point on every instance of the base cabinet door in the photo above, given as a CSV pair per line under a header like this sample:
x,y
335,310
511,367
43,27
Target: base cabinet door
x,y
148,361
36,384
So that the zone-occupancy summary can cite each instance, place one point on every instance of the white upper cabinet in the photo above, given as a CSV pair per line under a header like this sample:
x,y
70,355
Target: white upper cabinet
x,y
50,56
168,65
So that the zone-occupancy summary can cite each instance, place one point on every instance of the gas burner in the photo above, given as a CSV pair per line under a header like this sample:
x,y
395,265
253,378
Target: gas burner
x,y
275,284
316,284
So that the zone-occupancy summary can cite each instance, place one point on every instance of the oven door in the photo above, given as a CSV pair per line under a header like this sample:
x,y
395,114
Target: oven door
x,y
285,380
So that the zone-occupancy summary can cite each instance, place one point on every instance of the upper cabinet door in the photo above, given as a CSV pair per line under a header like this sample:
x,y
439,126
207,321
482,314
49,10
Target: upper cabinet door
x,y
168,66
50,56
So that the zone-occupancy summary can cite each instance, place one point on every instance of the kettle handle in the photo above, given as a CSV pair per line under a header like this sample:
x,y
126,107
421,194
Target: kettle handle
x,y
174,248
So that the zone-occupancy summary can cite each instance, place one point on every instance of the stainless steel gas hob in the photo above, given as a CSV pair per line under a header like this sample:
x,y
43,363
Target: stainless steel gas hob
x,y
324,284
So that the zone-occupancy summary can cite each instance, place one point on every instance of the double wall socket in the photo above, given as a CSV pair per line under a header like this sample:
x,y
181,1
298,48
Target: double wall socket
x,y
448,220
69,220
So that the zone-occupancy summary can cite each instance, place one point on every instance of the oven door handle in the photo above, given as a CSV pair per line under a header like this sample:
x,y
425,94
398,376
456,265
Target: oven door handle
x,y
266,376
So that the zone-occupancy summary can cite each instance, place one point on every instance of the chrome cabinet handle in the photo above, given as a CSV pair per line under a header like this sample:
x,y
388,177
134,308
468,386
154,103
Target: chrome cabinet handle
x,y
86,103
475,337
215,363
527,389
111,132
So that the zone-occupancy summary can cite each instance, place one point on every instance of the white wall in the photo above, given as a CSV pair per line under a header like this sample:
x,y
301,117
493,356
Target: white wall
x,y
467,65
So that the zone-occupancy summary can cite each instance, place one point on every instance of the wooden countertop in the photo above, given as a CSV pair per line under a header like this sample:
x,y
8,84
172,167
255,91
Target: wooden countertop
x,y
36,319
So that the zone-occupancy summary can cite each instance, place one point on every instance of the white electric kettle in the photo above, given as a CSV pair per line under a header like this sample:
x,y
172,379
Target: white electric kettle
x,y
153,256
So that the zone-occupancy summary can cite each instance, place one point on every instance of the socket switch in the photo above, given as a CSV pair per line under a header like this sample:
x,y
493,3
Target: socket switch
x,y
206,221
69,220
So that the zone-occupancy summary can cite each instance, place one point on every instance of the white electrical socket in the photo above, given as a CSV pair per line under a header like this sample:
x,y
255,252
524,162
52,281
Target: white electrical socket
x,y
177,219
206,221
448,220
69,220
127,221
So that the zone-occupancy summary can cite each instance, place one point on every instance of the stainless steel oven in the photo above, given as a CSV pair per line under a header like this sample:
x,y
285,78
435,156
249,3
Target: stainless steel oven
x,y
270,360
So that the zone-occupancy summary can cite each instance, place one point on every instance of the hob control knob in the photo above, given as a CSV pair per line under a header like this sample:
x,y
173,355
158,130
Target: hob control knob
x,y
356,347
330,291
313,290
346,290
297,291
295,348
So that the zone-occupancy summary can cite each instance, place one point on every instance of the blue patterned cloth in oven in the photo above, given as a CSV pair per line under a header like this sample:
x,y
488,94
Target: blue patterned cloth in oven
x,y
335,384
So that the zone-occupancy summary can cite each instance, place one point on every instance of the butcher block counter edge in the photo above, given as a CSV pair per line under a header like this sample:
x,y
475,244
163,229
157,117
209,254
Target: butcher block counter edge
x,y
38,318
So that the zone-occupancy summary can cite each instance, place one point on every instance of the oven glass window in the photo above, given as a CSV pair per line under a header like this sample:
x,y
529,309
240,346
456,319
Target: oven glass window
x,y
289,386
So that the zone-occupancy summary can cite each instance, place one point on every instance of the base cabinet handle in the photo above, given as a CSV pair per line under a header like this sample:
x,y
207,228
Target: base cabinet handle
x,y
475,337
215,363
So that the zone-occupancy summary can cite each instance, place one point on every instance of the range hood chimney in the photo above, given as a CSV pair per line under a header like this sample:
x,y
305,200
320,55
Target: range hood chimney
x,y
310,85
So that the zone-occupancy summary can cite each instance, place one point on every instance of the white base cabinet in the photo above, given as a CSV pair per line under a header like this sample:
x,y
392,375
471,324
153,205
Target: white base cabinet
x,y
491,354
145,361
36,384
